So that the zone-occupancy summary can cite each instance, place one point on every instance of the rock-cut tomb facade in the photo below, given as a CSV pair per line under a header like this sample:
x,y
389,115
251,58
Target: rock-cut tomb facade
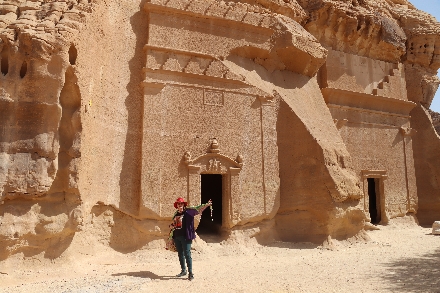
x,y
303,120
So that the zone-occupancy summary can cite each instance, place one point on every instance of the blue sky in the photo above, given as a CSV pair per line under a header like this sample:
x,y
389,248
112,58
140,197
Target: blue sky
x,y
433,8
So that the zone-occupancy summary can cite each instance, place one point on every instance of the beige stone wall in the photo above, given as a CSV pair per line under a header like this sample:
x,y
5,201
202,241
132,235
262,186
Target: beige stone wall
x,y
186,118
374,125
109,69
377,142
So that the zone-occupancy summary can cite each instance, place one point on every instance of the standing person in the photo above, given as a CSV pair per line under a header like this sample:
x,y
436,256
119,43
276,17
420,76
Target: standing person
x,y
183,232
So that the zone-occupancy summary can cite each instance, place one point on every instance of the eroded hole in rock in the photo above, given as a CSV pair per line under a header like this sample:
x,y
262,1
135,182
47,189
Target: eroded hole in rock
x,y
212,188
5,61
72,54
374,200
23,69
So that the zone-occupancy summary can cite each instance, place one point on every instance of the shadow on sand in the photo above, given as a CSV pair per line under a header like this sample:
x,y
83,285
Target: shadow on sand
x,y
414,274
148,275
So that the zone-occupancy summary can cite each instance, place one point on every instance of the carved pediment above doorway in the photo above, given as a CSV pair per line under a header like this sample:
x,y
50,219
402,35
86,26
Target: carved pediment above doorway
x,y
213,162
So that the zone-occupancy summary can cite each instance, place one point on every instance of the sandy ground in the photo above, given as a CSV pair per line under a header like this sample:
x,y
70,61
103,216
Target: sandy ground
x,y
398,258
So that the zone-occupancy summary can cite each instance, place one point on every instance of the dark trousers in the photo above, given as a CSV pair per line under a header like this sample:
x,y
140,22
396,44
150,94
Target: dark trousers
x,y
183,247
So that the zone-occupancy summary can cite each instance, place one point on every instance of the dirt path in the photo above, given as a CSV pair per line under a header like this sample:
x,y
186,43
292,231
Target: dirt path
x,y
397,259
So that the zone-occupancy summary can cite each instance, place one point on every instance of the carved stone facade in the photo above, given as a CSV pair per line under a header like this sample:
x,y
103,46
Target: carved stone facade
x,y
375,113
192,104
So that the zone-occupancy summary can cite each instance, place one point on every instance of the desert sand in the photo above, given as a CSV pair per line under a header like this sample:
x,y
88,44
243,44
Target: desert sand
x,y
400,257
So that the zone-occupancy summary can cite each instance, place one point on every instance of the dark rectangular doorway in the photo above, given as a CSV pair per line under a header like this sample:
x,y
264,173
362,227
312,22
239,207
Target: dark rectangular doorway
x,y
374,200
211,189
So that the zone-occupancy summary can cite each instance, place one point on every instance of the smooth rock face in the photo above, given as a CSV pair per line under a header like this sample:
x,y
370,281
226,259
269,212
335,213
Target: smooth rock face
x,y
310,114
436,228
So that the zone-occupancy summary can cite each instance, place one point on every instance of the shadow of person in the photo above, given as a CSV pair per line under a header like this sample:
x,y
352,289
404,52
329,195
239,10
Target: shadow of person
x,y
147,275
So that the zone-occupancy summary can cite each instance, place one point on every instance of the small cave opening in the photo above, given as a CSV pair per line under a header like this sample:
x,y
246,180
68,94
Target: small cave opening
x,y
374,200
23,69
4,61
73,53
211,188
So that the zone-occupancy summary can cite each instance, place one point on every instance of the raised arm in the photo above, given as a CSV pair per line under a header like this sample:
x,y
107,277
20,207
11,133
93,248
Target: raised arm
x,y
198,209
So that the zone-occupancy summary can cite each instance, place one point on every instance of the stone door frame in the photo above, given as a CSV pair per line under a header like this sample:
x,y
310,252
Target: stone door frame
x,y
215,163
381,175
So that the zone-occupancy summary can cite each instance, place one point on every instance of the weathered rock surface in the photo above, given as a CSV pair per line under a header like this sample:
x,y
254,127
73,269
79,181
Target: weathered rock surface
x,y
108,111
435,117
40,124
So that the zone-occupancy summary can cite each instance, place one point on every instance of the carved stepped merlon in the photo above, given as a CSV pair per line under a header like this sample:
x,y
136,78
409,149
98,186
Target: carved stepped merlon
x,y
166,59
391,86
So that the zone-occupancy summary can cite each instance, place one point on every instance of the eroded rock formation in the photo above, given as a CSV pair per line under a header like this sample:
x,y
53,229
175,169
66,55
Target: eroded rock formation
x,y
40,125
109,110
435,117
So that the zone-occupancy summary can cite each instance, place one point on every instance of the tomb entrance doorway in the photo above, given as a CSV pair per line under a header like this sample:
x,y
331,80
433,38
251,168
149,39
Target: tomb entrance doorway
x,y
374,195
211,189
374,200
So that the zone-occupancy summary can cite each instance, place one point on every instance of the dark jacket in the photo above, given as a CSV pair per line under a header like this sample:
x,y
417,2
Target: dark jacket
x,y
188,220
188,223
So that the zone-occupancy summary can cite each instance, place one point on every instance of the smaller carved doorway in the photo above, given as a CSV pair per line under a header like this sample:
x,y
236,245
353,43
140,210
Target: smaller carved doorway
x,y
374,205
211,188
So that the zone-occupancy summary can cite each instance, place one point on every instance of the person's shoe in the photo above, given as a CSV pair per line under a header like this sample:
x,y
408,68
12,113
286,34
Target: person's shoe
x,y
182,273
190,277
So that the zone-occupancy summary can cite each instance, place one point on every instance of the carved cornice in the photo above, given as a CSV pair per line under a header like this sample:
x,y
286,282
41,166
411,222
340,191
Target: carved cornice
x,y
339,97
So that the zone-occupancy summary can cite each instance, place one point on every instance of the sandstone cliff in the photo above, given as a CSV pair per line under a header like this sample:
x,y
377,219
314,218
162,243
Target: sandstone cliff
x,y
72,110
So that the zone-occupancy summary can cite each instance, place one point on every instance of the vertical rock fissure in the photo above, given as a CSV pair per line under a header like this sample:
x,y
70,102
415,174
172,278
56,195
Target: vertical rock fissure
x,y
69,136
72,54
5,61
23,69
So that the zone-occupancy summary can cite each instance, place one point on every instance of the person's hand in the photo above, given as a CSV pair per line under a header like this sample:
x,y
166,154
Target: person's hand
x,y
210,202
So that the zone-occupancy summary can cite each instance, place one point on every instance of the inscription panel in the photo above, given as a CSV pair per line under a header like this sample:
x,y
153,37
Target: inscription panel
x,y
213,98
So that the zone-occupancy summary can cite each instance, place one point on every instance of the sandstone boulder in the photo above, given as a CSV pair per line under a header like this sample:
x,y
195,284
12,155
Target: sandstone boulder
x,y
436,228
